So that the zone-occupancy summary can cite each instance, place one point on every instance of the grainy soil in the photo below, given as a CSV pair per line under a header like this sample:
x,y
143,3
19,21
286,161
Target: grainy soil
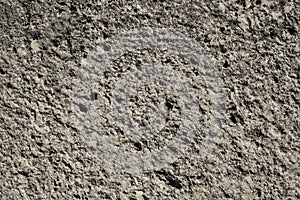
x,y
255,45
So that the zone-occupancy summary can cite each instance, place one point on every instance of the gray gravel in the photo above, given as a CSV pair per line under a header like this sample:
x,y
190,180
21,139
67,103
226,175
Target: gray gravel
x,y
255,45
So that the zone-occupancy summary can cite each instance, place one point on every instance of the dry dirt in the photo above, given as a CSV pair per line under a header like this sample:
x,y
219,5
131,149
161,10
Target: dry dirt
x,y
255,45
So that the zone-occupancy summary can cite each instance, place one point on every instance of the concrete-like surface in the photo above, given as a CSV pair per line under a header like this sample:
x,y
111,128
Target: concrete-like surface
x,y
255,45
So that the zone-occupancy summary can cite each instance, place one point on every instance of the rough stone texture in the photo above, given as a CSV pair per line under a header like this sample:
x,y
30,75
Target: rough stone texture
x,y
256,47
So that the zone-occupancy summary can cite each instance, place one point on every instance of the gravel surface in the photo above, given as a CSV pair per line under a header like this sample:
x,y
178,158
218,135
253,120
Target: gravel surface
x,y
254,45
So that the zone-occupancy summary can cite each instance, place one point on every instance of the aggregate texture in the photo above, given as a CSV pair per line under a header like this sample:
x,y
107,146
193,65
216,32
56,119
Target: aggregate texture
x,y
255,45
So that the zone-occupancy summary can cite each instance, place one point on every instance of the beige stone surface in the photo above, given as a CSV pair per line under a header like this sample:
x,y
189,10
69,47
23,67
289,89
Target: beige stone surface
x,y
255,46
